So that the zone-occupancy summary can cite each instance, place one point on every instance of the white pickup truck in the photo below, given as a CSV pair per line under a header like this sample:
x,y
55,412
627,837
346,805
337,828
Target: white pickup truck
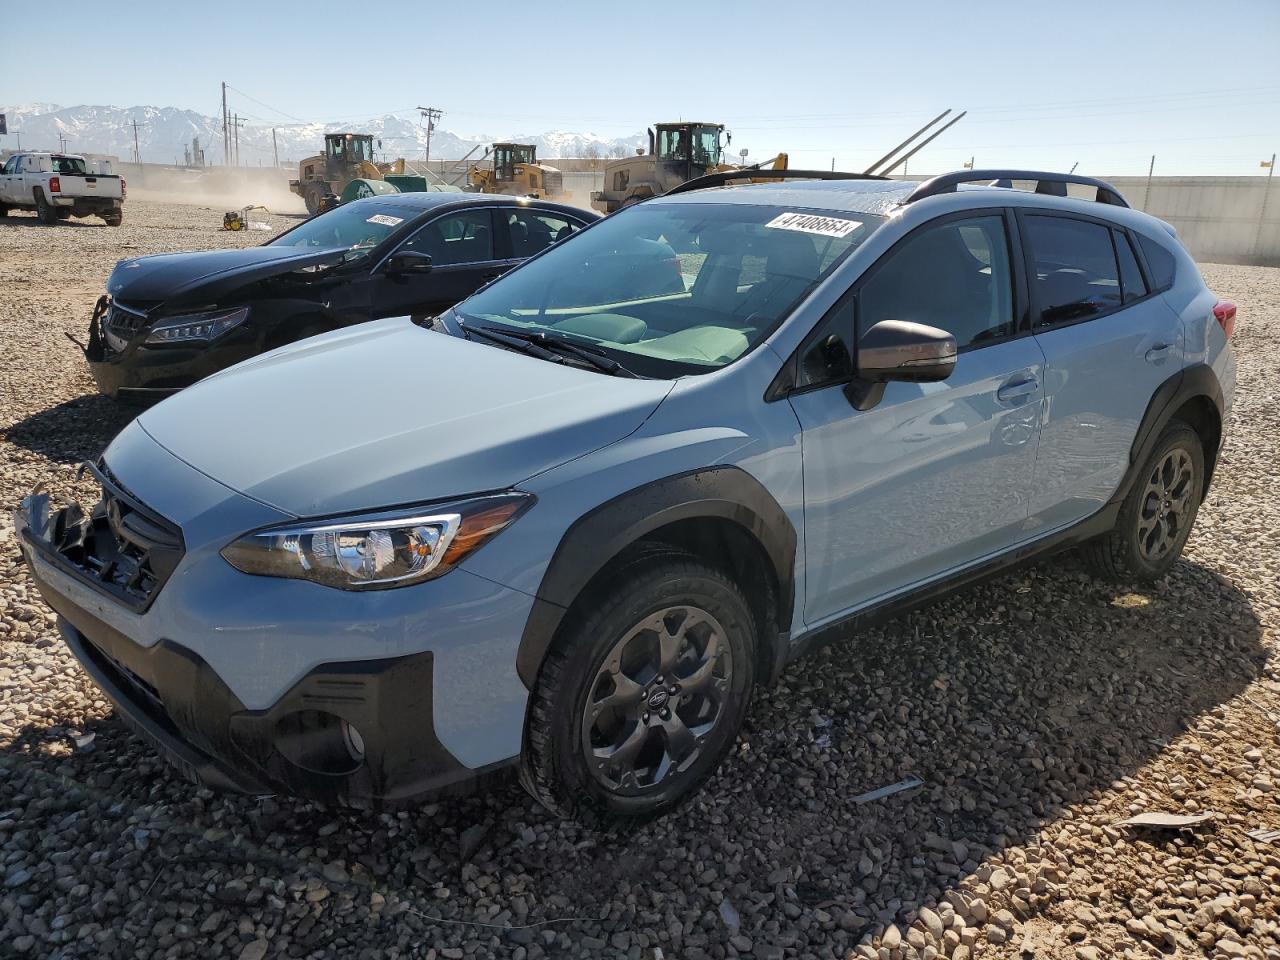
x,y
58,186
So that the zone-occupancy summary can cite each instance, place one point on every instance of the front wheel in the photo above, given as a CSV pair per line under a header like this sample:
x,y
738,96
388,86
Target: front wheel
x,y
643,693
1157,514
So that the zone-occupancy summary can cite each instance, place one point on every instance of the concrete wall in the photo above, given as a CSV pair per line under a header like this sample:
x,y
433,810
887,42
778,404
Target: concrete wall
x,y
1220,219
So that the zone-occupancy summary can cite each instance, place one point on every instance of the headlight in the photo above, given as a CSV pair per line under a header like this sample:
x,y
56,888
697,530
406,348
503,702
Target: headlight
x,y
201,327
379,550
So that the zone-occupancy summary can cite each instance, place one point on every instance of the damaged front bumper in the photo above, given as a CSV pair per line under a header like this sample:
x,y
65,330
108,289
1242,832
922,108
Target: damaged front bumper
x,y
358,732
125,367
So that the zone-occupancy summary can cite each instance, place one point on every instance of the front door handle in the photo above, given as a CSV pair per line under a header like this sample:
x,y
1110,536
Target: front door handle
x,y
1018,389
1159,352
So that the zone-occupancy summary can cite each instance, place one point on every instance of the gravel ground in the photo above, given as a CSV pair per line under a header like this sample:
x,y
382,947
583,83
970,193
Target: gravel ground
x,y
1038,710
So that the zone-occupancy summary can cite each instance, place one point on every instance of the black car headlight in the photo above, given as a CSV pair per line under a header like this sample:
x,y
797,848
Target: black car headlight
x,y
377,551
199,327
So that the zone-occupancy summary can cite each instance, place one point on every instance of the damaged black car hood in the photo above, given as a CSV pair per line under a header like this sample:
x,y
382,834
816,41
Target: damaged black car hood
x,y
175,278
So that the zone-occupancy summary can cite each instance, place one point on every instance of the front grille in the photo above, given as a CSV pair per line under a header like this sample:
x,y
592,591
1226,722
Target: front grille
x,y
123,547
121,324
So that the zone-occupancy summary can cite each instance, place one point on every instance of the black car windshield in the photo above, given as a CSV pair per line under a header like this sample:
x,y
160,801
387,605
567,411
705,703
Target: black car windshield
x,y
674,288
357,227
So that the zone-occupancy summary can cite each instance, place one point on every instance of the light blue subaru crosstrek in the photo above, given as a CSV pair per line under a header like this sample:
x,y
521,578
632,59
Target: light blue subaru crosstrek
x,y
568,526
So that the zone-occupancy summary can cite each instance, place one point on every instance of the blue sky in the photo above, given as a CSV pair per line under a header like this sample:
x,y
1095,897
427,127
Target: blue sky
x,y
1046,85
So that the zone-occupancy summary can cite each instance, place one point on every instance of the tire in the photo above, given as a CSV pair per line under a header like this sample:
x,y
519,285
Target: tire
x,y
312,199
63,213
4,211
1157,515
46,211
114,219
668,733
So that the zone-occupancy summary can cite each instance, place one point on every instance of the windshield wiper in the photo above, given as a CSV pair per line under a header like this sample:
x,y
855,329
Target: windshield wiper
x,y
501,337
548,340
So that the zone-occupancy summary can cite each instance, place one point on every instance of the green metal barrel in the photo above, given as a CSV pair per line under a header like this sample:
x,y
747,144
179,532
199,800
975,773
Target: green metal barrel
x,y
359,189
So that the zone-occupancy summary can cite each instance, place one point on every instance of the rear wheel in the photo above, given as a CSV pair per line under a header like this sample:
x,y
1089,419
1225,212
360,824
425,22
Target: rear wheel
x,y
63,213
114,218
1158,513
45,210
4,211
642,694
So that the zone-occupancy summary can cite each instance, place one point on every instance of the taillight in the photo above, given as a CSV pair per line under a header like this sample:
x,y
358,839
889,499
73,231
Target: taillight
x,y
123,184
1224,311
55,185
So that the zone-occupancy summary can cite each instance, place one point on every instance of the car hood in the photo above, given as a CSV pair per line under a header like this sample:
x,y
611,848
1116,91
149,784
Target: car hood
x,y
388,413
175,278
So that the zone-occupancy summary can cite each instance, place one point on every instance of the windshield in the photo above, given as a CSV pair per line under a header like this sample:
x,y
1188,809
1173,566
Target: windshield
x,y
672,288
357,226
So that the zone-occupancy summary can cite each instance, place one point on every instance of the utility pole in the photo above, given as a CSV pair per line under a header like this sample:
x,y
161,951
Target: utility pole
x,y
1262,211
226,142
62,141
275,150
1146,196
431,115
137,158
236,123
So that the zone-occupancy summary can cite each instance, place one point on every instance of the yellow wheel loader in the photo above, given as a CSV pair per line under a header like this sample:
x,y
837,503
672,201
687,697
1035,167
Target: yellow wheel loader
x,y
517,172
346,157
678,152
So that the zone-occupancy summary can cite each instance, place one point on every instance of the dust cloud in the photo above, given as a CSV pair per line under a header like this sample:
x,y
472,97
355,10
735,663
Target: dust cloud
x,y
221,188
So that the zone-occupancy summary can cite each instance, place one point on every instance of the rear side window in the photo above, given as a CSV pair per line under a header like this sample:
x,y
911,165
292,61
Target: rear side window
x,y
1073,269
1131,280
1159,261
954,276
532,231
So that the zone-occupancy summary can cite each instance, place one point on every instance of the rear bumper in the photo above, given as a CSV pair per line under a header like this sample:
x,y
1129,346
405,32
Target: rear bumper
x,y
88,206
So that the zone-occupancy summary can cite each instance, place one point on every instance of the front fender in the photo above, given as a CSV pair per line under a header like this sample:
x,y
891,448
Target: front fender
x,y
717,492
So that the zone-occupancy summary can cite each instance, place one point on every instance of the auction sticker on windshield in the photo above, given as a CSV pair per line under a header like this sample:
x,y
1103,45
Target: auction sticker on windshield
x,y
385,220
814,223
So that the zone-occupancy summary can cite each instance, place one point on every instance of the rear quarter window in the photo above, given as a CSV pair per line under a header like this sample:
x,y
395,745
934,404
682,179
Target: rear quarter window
x,y
1160,262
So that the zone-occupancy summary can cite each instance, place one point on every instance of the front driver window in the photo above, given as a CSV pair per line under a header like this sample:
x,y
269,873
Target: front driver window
x,y
954,276
462,237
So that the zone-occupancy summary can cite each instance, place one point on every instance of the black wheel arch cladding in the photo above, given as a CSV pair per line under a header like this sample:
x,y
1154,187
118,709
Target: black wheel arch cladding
x,y
1193,394
683,510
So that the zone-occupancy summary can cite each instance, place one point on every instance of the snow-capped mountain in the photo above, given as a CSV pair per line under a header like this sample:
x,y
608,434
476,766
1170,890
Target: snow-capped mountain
x,y
164,132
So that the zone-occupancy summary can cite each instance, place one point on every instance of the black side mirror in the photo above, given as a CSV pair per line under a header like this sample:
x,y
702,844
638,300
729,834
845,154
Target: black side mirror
x,y
899,350
407,262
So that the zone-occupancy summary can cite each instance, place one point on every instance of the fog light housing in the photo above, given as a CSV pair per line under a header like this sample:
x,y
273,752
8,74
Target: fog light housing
x,y
319,742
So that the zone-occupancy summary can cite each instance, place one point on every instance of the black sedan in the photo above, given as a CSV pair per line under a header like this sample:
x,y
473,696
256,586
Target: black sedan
x,y
171,319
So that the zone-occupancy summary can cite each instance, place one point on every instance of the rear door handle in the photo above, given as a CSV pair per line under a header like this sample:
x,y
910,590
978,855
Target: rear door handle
x,y
1159,352
1018,389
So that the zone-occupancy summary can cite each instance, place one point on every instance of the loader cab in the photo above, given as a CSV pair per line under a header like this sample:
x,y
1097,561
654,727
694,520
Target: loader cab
x,y
690,149
348,149
507,155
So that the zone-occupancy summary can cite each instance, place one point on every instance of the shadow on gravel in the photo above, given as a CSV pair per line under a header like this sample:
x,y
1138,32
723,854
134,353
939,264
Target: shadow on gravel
x,y
1011,702
73,431
16,220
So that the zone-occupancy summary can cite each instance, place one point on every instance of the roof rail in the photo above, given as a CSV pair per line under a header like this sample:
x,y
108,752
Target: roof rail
x,y
1052,184
720,179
